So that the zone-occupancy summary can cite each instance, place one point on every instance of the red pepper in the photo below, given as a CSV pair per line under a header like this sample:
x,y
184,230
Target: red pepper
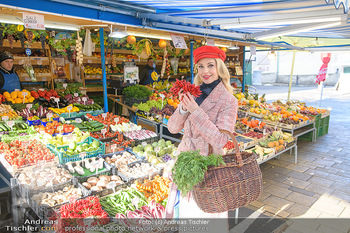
x,y
48,94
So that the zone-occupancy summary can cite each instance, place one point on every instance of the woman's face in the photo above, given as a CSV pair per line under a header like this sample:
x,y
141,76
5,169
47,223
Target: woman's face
x,y
207,70
7,64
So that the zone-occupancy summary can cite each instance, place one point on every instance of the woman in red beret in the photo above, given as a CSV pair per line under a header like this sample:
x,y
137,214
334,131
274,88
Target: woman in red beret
x,y
202,118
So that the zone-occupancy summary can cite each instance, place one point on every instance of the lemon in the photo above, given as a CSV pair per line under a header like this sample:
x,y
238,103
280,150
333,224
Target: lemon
x,y
20,28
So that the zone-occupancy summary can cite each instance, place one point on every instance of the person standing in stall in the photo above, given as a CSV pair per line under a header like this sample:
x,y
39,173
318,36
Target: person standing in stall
x,y
146,76
9,80
202,118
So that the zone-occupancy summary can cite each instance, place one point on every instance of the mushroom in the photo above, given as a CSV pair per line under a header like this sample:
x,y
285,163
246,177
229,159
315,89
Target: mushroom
x,y
86,185
93,181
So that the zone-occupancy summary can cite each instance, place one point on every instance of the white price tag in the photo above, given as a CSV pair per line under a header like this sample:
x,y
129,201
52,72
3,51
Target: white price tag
x,y
69,108
60,128
89,61
76,94
49,115
246,129
44,79
276,127
167,86
113,147
16,89
65,85
82,154
84,99
5,118
10,124
103,131
73,198
116,120
111,185
104,115
29,106
41,89
144,144
57,100
42,131
27,79
264,132
78,120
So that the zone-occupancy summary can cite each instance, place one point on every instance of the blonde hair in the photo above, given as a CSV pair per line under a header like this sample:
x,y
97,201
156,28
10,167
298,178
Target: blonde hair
x,y
223,73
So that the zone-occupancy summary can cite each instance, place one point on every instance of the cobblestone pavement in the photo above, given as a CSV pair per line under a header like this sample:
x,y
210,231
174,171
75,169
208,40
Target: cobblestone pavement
x,y
313,194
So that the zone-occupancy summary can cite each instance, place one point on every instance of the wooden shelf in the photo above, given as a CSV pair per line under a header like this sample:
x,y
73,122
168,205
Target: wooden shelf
x,y
123,51
94,89
44,61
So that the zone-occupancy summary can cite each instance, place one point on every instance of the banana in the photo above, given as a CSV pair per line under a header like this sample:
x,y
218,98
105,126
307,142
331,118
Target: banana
x,y
148,48
154,76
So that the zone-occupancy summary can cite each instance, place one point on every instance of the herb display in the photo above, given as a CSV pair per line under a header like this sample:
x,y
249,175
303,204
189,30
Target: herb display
x,y
137,91
190,167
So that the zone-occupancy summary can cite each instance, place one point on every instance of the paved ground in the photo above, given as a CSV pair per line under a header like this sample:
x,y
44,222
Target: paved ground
x,y
315,193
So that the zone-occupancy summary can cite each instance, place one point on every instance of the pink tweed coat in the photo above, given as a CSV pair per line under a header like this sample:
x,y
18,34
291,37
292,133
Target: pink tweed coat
x,y
218,111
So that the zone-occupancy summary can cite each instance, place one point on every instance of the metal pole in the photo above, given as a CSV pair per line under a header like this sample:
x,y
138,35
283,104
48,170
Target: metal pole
x,y
191,48
291,75
243,68
104,79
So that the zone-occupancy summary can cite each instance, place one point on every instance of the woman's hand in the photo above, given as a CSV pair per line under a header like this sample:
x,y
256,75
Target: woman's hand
x,y
188,102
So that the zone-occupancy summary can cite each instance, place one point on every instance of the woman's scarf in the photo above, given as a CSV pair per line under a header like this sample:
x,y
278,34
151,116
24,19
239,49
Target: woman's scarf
x,y
206,90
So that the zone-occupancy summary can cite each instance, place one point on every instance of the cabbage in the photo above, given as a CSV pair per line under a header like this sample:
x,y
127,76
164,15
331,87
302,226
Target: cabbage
x,y
68,97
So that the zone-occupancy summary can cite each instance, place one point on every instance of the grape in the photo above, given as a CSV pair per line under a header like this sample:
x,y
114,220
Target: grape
x,y
43,40
22,39
1,37
30,37
10,38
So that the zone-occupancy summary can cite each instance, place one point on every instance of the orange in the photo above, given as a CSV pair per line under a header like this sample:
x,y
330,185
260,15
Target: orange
x,y
177,101
170,101
20,94
7,95
14,94
162,43
30,99
18,100
175,105
131,39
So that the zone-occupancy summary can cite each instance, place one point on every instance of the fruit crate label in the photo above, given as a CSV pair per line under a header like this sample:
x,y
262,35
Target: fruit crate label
x,y
76,94
78,120
82,154
29,106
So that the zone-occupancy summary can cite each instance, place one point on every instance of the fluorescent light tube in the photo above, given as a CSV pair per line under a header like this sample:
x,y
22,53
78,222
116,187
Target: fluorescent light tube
x,y
118,34
149,35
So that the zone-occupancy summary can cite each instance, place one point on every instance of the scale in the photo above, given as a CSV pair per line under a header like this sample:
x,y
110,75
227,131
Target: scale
x,y
119,82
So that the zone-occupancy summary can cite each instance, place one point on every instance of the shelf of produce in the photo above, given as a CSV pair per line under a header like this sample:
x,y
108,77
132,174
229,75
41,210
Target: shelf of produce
x,y
92,60
288,126
44,61
42,77
117,51
295,147
301,131
180,76
17,44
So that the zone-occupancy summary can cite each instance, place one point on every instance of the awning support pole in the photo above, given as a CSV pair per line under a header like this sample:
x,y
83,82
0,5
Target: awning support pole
x,y
291,76
191,48
104,79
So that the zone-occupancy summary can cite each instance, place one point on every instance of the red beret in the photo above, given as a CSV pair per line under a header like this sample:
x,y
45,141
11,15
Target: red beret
x,y
208,52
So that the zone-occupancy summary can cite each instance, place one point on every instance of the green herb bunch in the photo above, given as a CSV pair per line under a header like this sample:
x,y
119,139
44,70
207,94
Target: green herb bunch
x,y
137,91
190,168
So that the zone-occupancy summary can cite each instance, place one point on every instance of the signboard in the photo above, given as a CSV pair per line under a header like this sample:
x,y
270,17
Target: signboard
x,y
131,73
210,42
321,76
178,41
33,21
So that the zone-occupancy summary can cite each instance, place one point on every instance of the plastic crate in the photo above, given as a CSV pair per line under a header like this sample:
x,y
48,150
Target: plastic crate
x,y
306,137
147,140
325,120
325,129
130,101
43,211
106,191
64,158
320,131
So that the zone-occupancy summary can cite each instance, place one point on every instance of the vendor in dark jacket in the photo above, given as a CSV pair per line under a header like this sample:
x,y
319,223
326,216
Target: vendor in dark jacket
x,y
146,73
9,80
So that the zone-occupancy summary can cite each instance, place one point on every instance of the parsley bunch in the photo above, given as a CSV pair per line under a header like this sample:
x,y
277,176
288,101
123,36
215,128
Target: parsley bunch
x,y
190,168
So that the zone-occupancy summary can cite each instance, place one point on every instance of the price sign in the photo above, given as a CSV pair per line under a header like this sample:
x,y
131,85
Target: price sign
x,y
10,124
95,165
76,94
29,106
276,127
103,131
144,144
162,96
50,177
113,147
24,94
42,131
65,85
246,129
69,108
116,120
84,99
78,120
89,61
60,128
41,89
57,100
16,89
27,79
44,79
135,201
5,118
82,154
167,86
104,115
49,115
39,62
264,132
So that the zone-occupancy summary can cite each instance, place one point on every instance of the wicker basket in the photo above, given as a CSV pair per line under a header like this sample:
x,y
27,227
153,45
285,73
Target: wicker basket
x,y
230,186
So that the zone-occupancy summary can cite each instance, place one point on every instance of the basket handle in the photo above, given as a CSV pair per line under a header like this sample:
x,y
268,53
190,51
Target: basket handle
x,y
238,153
